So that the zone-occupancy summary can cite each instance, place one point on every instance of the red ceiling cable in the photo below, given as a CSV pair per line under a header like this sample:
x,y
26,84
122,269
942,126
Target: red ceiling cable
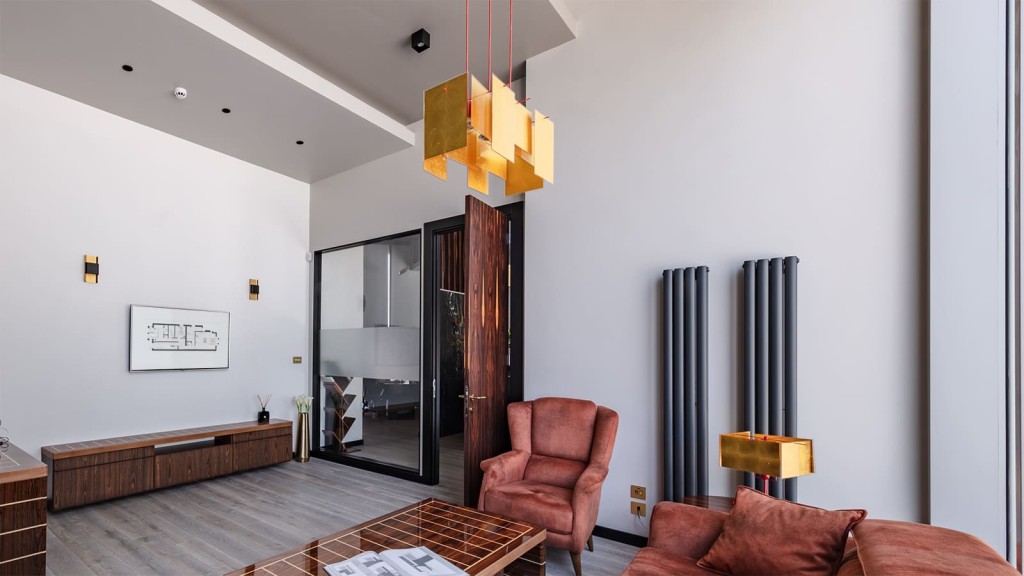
x,y
509,43
489,44
489,22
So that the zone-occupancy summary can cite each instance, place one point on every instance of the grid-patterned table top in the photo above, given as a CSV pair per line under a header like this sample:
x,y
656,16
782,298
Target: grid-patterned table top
x,y
468,538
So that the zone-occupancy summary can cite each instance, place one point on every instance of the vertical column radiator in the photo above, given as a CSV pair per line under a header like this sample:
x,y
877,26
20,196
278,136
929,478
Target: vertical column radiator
x,y
769,355
685,382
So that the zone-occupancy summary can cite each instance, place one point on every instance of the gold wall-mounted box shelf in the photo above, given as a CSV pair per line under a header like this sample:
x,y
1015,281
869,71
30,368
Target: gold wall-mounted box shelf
x,y
776,456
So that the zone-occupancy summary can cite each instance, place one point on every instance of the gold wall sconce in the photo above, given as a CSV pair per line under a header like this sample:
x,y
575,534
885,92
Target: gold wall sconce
x,y
254,289
92,269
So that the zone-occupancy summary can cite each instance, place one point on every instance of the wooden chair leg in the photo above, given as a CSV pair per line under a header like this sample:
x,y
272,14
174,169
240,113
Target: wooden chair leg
x,y
590,543
576,563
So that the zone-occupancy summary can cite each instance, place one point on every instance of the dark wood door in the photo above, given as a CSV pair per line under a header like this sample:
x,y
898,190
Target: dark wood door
x,y
486,344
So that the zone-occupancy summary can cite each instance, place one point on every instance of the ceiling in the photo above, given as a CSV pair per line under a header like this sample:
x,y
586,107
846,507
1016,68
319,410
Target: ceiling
x,y
339,76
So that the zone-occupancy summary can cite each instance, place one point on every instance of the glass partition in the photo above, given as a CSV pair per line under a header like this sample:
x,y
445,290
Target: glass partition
x,y
369,397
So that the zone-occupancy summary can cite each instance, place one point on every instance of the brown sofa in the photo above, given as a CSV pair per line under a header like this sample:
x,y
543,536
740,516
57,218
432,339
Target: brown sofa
x,y
681,535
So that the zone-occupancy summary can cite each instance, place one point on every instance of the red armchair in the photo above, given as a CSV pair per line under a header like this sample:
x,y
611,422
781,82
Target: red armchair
x,y
553,475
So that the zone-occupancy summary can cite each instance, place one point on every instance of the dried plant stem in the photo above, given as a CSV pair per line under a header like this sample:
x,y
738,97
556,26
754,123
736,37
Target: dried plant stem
x,y
263,402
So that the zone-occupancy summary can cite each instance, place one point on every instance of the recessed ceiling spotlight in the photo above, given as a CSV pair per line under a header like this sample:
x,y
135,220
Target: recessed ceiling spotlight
x,y
226,110
299,142
420,40
180,93
127,67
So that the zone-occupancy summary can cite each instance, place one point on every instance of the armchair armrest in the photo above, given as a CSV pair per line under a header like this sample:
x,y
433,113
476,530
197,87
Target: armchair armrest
x,y
591,479
687,530
502,469
586,498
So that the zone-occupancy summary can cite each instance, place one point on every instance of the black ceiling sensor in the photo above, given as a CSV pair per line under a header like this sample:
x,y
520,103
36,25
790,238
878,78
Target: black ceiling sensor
x,y
127,68
420,40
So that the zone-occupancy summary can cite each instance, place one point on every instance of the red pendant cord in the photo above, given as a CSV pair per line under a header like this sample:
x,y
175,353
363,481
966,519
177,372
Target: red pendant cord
x,y
509,43
489,19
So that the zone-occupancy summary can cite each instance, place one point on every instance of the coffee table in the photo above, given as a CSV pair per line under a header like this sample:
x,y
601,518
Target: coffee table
x,y
478,542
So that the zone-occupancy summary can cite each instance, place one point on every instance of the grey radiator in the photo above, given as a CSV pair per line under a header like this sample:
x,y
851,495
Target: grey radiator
x,y
685,381
769,355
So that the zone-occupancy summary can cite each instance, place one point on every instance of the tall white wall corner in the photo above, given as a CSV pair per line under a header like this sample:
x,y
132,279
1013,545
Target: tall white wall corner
x,y
968,270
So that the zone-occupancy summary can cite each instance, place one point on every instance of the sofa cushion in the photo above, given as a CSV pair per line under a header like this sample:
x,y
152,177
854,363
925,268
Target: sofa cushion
x,y
904,548
765,535
533,502
684,529
850,564
657,562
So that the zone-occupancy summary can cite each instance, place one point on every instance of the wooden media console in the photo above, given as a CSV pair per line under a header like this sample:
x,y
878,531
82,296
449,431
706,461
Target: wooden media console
x,y
86,472
22,513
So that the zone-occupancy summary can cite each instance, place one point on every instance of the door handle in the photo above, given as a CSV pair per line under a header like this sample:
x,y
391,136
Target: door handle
x,y
471,397
469,407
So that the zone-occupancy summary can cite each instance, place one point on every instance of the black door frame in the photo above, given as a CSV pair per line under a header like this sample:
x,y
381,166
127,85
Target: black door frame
x,y
431,422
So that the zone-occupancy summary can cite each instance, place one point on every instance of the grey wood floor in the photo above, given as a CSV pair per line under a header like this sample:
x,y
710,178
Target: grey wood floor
x,y
219,525
396,442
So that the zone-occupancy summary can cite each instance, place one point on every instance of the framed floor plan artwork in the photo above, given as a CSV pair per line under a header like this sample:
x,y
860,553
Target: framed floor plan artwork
x,y
177,339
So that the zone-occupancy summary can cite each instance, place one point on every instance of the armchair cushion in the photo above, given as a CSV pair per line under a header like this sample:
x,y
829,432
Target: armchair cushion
x,y
558,428
552,470
533,502
765,535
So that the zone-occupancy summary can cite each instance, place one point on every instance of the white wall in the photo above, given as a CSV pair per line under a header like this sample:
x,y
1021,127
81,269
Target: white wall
x,y
709,133
174,224
967,268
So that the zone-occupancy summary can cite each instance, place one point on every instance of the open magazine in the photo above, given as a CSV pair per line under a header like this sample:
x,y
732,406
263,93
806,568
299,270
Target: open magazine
x,y
420,561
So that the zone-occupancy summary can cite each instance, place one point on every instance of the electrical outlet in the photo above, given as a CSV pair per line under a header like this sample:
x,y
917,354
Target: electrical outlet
x,y
637,509
638,492
296,359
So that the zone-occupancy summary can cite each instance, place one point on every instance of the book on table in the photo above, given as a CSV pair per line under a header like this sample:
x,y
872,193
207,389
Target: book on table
x,y
420,561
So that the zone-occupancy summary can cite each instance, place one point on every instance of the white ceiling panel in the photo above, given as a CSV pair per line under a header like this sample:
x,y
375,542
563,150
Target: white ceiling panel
x,y
338,75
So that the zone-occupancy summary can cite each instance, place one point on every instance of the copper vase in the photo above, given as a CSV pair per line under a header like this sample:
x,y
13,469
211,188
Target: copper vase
x,y
302,440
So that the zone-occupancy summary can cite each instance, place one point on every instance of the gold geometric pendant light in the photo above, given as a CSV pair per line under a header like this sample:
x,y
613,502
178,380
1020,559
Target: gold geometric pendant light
x,y
488,132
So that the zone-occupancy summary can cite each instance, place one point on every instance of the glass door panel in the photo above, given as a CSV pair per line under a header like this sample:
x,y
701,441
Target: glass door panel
x,y
369,393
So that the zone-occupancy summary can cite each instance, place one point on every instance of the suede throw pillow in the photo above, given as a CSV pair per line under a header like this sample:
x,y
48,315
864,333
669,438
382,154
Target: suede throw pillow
x,y
765,535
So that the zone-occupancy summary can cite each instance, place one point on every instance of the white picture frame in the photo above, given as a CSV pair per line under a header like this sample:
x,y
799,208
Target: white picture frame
x,y
177,339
